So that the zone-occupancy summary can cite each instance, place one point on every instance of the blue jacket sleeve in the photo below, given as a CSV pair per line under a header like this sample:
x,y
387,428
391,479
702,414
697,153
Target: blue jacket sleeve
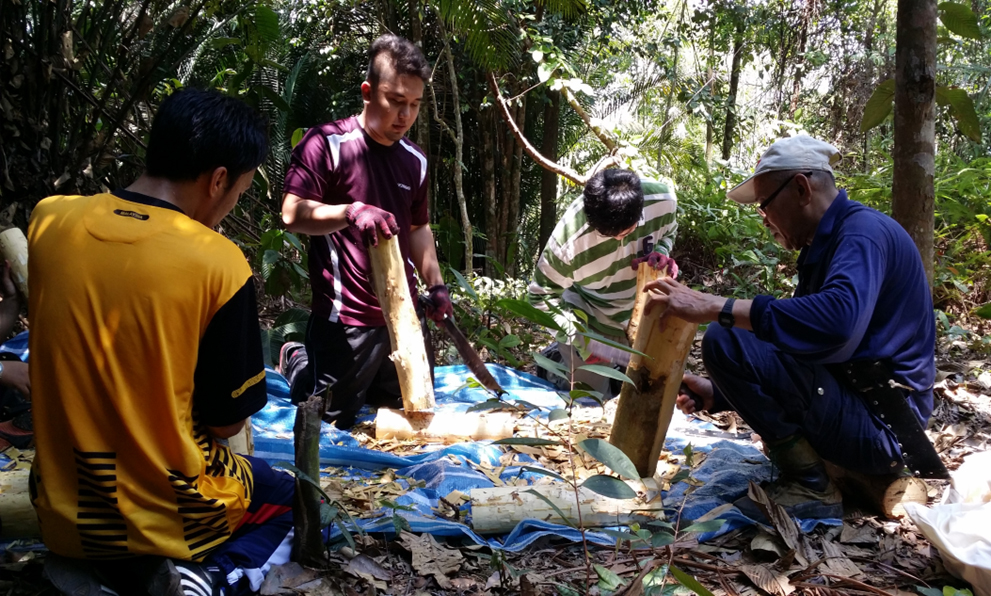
x,y
829,325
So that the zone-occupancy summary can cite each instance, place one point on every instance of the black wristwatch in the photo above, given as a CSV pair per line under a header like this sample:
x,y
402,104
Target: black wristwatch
x,y
726,318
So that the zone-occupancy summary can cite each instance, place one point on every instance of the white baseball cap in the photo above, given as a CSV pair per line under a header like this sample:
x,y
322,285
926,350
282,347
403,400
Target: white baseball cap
x,y
800,152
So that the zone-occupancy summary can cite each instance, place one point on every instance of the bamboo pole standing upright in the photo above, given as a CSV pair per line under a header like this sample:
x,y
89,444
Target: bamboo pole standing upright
x,y
405,333
645,407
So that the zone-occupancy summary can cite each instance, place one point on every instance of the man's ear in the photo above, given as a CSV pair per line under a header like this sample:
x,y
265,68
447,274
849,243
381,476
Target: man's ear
x,y
219,184
366,92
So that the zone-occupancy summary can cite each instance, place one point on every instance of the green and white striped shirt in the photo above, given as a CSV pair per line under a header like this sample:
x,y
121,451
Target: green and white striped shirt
x,y
592,272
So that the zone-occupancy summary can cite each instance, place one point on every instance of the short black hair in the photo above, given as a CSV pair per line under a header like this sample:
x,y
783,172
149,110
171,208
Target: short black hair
x,y
405,57
613,201
196,131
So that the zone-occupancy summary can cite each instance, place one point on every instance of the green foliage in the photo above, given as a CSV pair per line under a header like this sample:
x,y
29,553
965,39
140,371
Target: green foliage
x,y
611,456
959,19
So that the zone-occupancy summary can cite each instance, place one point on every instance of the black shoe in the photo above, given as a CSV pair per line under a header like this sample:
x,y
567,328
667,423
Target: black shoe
x,y
73,577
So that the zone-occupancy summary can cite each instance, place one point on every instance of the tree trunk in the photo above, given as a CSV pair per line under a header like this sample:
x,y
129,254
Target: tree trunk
x,y
488,151
511,232
912,192
734,84
548,179
459,142
423,118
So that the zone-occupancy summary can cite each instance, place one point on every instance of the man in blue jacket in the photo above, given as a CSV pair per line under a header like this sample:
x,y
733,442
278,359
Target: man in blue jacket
x,y
795,368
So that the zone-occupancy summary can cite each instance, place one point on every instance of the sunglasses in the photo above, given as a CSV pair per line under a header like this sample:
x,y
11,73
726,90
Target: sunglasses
x,y
762,207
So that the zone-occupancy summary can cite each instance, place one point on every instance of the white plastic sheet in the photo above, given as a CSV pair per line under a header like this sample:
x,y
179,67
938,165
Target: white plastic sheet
x,y
960,527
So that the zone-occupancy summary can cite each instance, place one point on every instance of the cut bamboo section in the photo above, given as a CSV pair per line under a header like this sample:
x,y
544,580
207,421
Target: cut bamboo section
x,y
17,517
444,427
405,333
886,494
14,248
498,510
645,407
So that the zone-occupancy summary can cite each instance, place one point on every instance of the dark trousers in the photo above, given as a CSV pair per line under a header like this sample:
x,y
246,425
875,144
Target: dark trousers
x,y
353,362
779,395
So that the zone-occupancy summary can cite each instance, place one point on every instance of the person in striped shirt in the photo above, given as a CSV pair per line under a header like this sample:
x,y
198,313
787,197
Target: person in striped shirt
x,y
590,262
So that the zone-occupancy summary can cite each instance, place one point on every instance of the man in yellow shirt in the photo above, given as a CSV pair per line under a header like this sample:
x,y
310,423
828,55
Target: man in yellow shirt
x,y
145,356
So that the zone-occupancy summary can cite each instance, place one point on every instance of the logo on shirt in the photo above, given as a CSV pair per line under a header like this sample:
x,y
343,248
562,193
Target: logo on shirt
x,y
403,186
133,214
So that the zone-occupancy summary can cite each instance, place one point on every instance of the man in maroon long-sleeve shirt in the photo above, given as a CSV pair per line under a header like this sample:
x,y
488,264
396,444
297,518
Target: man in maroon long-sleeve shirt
x,y
349,182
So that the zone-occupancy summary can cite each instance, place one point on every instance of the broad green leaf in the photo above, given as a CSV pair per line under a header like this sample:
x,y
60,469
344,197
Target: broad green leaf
x,y
606,371
297,136
959,19
928,591
609,486
689,455
580,393
610,342
552,367
400,524
962,109
273,97
529,312
681,475
702,527
510,341
612,456
464,284
984,312
267,23
879,105
608,580
561,414
689,582
543,472
529,441
327,514
269,259
660,539
560,514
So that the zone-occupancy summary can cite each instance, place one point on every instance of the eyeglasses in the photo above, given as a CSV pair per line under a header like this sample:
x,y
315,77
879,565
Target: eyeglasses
x,y
762,207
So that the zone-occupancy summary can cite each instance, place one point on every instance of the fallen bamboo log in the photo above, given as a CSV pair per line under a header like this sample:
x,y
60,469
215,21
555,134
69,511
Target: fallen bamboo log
x,y
645,407
498,510
886,494
405,333
14,248
17,516
444,427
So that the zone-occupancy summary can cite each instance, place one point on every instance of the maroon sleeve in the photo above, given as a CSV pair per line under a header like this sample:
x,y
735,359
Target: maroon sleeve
x,y
418,210
310,171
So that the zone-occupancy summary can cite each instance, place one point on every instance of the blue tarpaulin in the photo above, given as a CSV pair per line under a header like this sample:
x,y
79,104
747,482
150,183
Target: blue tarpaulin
x,y
439,470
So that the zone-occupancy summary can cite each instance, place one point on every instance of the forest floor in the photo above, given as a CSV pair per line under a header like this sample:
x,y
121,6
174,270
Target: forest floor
x,y
866,555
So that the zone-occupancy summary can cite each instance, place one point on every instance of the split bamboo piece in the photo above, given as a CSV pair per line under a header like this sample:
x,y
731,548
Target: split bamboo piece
x,y
14,248
405,333
444,427
498,510
645,407
887,494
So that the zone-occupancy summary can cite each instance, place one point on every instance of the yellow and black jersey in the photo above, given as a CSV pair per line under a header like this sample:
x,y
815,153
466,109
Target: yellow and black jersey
x,y
144,332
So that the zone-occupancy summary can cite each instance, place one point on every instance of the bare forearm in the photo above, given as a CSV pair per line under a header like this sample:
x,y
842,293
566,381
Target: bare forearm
x,y
424,253
311,217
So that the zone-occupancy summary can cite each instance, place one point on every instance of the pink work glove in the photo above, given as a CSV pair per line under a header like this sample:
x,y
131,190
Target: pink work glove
x,y
369,221
439,303
658,262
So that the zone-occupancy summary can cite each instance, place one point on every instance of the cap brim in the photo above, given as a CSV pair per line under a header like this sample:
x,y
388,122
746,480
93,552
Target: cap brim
x,y
743,192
